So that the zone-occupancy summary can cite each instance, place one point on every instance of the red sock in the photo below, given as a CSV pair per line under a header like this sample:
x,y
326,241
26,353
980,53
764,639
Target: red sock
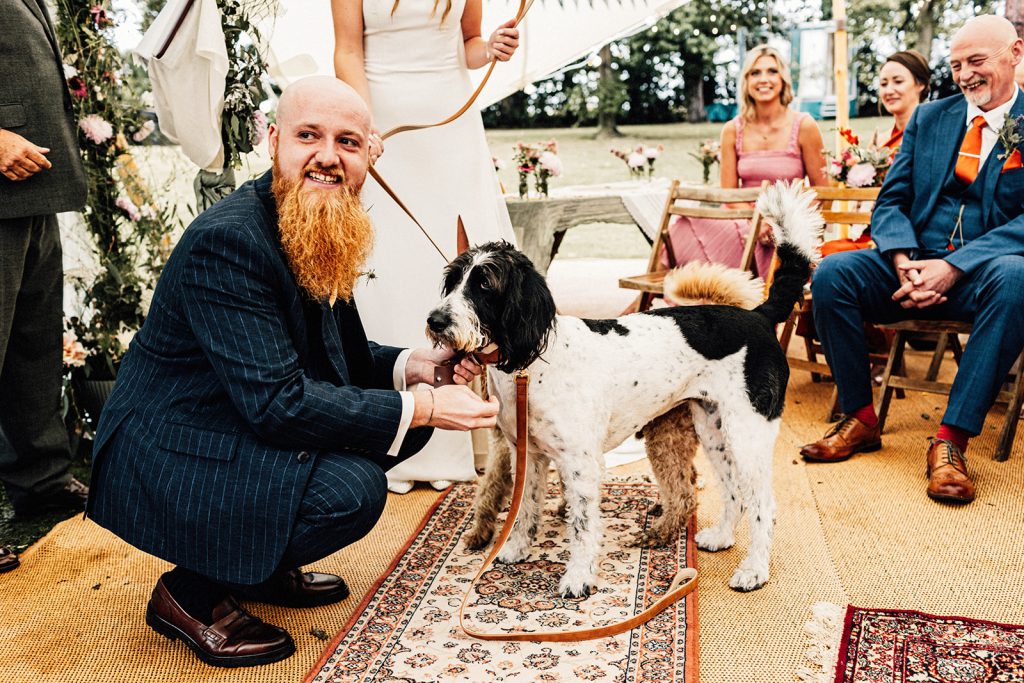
x,y
957,436
866,415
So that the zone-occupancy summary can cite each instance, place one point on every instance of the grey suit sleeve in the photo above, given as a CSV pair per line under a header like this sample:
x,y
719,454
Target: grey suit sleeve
x,y
237,315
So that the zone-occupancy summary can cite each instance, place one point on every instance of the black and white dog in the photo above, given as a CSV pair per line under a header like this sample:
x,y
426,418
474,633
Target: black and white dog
x,y
595,382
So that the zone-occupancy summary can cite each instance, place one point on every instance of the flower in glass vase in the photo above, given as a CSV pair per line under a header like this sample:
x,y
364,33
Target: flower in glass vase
x,y
549,165
539,159
708,155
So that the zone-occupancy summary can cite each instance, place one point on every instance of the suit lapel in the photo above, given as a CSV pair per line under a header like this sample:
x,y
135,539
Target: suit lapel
x,y
945,145
36,8
332,342
994,165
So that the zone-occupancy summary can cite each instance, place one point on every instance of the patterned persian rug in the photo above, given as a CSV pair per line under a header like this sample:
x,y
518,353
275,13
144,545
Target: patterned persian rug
x,y
900,646
407,628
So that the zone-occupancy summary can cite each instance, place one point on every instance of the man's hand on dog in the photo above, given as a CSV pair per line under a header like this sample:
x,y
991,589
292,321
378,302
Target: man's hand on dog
x,y
452,406
424,363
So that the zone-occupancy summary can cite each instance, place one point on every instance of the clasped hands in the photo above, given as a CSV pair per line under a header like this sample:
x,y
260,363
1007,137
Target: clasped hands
x,y
454,406
19,158
923,283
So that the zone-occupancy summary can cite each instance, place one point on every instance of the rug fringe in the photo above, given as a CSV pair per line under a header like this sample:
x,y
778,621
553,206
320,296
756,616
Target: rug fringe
x,y
823,633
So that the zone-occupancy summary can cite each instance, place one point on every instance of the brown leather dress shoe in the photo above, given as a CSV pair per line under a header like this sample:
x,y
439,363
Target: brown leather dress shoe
x,y
948,481
8,559
235,638
298,589
848,437
71,496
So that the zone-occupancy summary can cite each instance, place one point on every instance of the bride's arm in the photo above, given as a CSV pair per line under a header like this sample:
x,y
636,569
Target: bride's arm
x,y
347,16
348,45
479,52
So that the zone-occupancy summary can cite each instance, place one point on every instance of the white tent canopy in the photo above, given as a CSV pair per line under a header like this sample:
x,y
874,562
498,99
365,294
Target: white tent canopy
x,y
553,35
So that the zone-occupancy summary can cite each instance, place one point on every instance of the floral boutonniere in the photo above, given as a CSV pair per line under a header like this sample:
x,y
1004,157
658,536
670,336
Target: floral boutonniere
x,y
1012,137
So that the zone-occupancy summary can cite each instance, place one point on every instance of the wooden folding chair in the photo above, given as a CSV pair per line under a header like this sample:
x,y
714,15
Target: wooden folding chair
x,y
696,202
1012,394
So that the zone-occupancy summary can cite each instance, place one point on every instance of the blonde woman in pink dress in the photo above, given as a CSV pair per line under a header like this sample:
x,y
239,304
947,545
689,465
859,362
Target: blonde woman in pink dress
x,y
410,61
767,141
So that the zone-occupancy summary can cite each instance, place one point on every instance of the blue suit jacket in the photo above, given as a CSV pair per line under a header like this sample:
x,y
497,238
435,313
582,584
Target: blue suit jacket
x,y
925,160
225,400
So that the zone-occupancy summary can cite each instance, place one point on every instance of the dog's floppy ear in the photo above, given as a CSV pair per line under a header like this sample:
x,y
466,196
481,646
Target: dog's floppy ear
x,y
528,316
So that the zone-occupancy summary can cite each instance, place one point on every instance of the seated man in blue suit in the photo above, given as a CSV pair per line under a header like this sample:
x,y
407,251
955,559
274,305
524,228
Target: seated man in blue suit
x,y
252,422
949,225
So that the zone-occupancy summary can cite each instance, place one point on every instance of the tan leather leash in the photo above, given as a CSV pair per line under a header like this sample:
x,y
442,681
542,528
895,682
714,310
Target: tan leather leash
x,y
524,6
682,585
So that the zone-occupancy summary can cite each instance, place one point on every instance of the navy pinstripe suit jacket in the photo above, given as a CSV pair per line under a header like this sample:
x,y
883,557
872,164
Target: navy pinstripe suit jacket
x,y
231,390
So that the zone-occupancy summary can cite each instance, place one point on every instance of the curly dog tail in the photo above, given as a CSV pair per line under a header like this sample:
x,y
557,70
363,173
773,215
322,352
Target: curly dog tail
x,y
790,209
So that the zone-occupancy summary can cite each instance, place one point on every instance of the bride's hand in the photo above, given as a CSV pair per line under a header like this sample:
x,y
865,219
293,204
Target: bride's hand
x,y
376,145
503,42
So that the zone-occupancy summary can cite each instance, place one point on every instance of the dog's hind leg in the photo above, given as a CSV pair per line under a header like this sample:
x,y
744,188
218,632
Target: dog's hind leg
x,y
752,439
707,423
493,488
671,445
517,547
581,481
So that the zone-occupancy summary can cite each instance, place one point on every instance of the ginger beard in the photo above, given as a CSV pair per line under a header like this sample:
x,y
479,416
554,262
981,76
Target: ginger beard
x,y
326,234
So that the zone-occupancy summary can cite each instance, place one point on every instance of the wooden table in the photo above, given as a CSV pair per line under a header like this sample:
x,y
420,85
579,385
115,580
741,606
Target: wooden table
x,y
540,224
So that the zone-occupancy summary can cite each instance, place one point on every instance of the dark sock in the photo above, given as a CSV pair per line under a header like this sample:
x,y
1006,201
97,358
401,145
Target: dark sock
x,y
866,415
955,435
196,594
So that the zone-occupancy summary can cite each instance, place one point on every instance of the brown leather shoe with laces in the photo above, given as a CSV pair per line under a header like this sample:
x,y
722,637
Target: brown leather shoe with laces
x,y
235,638
948,481
8,559
848,437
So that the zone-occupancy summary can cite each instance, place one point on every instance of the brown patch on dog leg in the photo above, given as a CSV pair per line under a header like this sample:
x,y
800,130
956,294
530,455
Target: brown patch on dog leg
x,y
671,444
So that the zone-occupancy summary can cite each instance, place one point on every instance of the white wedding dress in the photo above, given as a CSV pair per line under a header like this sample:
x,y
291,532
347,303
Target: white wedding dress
x,y
416,68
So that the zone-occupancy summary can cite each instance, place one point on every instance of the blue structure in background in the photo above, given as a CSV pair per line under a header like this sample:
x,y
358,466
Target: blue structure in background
x,y
812,70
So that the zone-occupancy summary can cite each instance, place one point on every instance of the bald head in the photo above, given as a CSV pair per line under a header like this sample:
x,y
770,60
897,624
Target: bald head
x,y
982,57
321,91
320,137
987,28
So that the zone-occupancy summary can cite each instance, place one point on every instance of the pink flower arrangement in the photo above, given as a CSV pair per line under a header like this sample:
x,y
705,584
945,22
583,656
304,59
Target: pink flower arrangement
x,y
639,161
861,175
539,159
74,352
96,129
859,165
259,127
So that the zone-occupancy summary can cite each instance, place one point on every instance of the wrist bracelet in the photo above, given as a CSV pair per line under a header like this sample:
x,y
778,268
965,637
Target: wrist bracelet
x,y
431,416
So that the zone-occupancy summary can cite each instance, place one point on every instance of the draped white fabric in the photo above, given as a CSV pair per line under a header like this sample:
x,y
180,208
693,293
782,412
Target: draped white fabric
x,y
553,36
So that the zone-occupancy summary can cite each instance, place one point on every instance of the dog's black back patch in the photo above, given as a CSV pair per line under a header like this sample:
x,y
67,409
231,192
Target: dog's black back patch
x,y
603,327
719,331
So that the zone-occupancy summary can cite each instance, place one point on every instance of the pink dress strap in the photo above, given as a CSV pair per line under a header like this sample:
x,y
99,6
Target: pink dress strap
x,y
794,145
739,134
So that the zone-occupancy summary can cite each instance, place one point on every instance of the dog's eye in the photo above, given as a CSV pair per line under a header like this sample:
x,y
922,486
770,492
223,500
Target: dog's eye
x,y
485,285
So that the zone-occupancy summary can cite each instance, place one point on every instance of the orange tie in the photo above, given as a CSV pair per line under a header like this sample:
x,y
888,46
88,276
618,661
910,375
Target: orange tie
x,y
968,161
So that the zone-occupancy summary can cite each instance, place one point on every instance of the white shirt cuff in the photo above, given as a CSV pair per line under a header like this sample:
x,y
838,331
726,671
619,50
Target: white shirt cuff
x,y
408,402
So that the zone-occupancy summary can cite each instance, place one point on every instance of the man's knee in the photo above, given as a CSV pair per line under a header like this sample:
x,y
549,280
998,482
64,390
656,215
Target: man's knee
x,y
1004,283
831,277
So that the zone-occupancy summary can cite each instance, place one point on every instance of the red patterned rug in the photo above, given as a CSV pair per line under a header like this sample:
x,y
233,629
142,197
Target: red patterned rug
x,y
407,627
897,646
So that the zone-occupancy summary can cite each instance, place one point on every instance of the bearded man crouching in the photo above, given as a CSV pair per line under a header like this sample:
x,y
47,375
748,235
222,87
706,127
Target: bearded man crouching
x,y
252,422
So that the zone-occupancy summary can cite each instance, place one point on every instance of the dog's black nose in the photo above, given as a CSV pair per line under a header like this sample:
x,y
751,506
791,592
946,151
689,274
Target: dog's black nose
x,y
438,321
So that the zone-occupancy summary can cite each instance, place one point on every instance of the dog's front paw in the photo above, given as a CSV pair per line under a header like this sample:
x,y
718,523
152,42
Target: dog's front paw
x,y
477,539
575,586
656,537
713,540
745,580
